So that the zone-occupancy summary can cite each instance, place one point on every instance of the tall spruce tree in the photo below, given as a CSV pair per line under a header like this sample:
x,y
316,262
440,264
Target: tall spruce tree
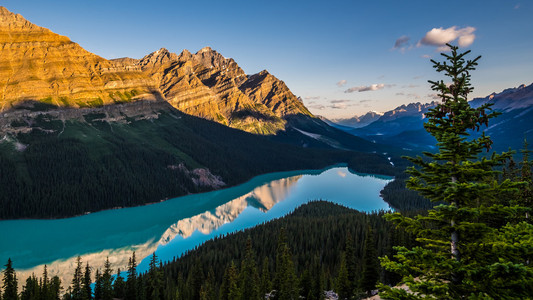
x,y
285,280
470,242
98,285
155,280
371,267
119,286
343,285
77,279
10,282
86,283
107,281
131,283
248,276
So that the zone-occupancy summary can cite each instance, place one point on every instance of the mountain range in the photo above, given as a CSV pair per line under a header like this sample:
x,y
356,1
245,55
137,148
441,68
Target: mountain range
x,y
404,125
80,133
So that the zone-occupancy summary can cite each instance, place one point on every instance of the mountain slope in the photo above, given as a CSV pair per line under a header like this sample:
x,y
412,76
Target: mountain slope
x,y
359,121
403,126
40,65
79,133
208,85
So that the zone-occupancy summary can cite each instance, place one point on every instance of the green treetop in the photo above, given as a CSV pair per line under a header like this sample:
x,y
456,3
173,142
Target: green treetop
x,y
468,241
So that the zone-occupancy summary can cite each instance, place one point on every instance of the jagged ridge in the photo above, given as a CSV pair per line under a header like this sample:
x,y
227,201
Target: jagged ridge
x,y
210,86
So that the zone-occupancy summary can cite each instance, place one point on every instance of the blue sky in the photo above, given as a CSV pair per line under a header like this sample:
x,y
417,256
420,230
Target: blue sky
x,y
339,56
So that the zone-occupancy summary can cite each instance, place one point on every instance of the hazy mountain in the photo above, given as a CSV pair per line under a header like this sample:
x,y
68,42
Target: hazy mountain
x,y
403,126
359,121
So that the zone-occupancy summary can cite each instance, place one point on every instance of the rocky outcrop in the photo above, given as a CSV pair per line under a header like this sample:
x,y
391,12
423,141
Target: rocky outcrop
x,y
37,64
210,86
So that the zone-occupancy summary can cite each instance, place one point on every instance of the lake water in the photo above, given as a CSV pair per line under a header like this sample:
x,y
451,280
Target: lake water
x,y
174,226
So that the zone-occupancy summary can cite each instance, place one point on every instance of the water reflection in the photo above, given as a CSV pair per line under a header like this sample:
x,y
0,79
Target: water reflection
x,y
153,228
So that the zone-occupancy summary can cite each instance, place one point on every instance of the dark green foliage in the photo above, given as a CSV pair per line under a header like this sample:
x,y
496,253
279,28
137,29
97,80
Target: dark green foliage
x,y
107,281
343,283
119,286
155,280
131,283
77,292
351,261
9,282
371,267
285,280
248,276
207,292
229,289
86,283
265,283
470,242
98,285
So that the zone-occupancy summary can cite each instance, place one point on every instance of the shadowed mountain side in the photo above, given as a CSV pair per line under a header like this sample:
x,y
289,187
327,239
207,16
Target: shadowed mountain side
x,y
310,132
65,162
404,126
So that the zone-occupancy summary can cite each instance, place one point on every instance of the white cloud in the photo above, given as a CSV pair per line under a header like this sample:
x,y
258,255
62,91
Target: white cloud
x,y
439,37
373,87
341,83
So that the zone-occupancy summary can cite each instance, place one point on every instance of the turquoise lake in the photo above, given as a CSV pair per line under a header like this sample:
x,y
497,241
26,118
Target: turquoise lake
x,y
174,226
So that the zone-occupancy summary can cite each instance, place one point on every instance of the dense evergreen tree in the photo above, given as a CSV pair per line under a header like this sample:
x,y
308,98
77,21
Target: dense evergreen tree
x,y
343,285
107,281
119,286
265,284
86,283
131,283
98,286
31,290
248,276
229,288
371,267
351,262
285,280
77,292
155,280
195,280
9,281
207,291
470,242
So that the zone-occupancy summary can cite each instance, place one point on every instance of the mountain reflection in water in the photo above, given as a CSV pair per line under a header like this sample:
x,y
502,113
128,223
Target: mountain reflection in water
x,y
153,228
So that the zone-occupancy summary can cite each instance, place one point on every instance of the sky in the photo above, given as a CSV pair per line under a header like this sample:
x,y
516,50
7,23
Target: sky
x,y
343,58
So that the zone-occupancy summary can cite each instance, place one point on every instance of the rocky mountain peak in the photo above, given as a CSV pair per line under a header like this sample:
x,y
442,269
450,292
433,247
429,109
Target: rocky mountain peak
x,y
158,58
9,19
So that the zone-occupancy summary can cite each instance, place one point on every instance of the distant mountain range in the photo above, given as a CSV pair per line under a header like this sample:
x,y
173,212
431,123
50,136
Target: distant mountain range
x,y
359,121
80,133
403,126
